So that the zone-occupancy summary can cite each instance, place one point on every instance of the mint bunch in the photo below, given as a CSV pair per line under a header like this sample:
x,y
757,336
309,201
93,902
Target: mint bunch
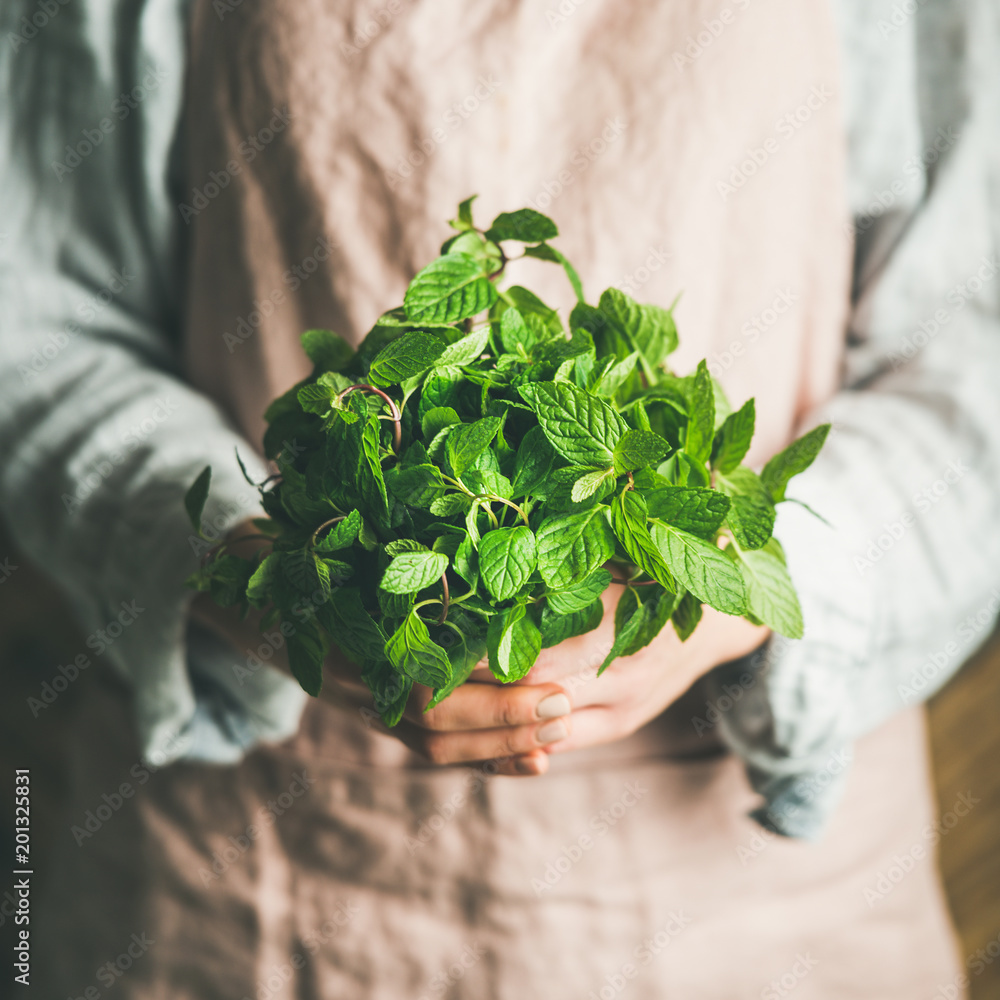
x,y
473,477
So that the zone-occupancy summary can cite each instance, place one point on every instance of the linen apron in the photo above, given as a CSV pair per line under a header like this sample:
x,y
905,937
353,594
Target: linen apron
x,y
679,149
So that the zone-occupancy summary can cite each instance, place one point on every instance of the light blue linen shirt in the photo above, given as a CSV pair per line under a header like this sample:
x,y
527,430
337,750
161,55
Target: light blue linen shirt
x,y
100,435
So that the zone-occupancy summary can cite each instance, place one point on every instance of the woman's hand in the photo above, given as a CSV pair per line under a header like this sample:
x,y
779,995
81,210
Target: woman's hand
x,y
561,705
480,721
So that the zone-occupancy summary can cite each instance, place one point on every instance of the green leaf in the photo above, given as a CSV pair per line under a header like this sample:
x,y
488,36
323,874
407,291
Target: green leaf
x,y
486,481
771,594
570,600
732,440
411,651
412,571
658,604
616,375
686,616
544,252
390,689
533,461
625,634
197,494
464,218
571,547
796,458
417,485
351,627
305,571
403,358
506,560
589,484
536,313
466,350
582,428
690,508
556,628
450,505
328,351
647,329
340,535
449,289
466,562
259,587
702,568
701,418
629,523
307,649
436,419
466,443
751,516
514,333
513,643
637,449
370,481
525,225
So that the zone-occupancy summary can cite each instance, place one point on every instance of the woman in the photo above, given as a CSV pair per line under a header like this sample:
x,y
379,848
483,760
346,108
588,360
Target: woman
x,y
299,178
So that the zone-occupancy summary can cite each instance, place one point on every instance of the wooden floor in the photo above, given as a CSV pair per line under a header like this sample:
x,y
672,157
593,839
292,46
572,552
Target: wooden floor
x,y
965,745
965,735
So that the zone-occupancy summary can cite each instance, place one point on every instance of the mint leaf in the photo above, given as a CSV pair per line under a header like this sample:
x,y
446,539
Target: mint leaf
x,y
578,596
464,218
751,515
533,461
625,634
466,443
590,483
702,568
701,416
629,522
690,508
658,605
417,485
197,494
436,419
412,571
796,458
449,289
258,588
328,351
466,350
556,628
582,428
686,616
411,651
513,643
307,649
525,225
647,329
771,594
390,689
403,358
506,560
571,547
732,440
544,252
340,535
637,449
515,336
616,376
352,628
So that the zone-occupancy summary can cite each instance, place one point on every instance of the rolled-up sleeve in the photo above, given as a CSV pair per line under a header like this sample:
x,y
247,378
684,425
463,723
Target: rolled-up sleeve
x,y
903,584
100,435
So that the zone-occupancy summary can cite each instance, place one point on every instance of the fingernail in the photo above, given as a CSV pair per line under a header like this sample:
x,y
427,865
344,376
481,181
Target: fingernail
x,y
553,707
525,765
552,732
